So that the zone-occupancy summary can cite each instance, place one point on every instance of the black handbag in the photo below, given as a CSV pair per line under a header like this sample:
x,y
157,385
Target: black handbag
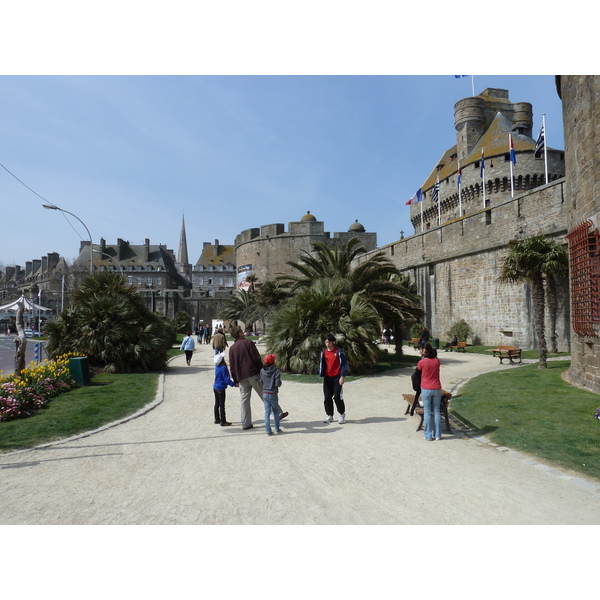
x,y
416,380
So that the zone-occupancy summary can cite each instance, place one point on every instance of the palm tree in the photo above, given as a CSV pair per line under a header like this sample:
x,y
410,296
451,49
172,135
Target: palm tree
x,y
241,306
109,323
536,260
328,294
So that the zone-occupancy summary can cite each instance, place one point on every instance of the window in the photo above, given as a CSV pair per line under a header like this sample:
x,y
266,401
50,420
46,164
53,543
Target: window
x,y
129,280
219,281
229,282
159,281
200,280
149,281
584,262
138,280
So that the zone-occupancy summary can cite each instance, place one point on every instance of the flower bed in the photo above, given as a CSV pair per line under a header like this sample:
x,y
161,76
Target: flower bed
x,y
22,396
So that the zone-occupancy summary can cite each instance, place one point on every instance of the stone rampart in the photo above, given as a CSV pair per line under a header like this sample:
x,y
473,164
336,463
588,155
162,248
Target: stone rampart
x,y
456,268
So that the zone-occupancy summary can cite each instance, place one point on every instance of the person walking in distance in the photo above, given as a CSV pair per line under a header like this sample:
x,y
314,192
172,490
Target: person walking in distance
x,y
188,347
219,342
333,367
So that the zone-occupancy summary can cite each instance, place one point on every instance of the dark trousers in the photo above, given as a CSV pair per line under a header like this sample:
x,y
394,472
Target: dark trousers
x,y
220,405
332,391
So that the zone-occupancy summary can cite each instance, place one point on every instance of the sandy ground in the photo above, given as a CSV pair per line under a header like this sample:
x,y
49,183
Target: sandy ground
x,y
173,465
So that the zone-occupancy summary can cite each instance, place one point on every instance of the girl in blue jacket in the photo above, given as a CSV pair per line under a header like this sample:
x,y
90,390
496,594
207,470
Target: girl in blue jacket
x,y
222,380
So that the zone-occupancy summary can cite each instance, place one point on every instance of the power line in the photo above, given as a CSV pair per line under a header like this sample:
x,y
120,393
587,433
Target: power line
x,y
42,197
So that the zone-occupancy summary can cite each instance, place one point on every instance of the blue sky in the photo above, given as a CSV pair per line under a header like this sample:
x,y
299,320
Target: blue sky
x,y
132,155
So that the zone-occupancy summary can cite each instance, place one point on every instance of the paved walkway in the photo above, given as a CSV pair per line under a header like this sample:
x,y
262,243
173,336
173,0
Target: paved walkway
x,y
173,465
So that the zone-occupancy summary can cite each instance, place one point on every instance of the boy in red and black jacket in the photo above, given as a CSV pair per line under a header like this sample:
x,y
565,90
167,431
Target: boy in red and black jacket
x,y
333,367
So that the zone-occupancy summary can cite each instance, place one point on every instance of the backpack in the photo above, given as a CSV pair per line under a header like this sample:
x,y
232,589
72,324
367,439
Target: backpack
x,y
416,380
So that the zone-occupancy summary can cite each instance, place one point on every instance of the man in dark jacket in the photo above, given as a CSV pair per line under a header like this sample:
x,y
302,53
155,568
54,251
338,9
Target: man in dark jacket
x,y
245,365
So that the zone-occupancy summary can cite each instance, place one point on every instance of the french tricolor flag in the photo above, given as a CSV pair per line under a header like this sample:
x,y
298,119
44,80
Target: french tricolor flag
x,y
513,156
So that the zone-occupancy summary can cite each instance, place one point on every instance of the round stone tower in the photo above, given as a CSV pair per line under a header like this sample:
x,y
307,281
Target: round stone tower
x,y
469,122
523,117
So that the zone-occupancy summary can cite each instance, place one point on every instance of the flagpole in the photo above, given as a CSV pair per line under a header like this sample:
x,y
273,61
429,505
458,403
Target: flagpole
x,y
512,187
545,146
421,216
437,183
473,84
483,175
459,194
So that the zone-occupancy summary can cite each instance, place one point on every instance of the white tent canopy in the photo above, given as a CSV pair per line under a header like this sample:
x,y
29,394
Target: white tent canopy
x,y
28,305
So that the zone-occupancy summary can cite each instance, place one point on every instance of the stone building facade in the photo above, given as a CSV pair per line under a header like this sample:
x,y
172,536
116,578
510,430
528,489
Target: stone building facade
x,y
580,95
264,252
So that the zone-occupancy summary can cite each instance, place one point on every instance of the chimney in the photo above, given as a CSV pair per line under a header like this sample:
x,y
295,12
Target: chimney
x,y
146,250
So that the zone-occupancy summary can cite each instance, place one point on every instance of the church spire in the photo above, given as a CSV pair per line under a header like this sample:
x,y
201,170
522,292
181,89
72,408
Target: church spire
x,y
182,256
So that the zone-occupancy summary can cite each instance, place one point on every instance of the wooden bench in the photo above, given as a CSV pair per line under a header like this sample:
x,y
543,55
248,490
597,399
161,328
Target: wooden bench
x,y
510,353
413,407
460,346
413,342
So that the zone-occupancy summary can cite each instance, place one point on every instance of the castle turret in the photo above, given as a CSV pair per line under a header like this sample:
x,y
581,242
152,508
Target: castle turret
x,y
469,121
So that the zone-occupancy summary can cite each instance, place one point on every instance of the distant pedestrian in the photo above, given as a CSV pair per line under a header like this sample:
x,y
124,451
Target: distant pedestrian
x,y
219,341
333,367
222,380
424,338
188,347
270,378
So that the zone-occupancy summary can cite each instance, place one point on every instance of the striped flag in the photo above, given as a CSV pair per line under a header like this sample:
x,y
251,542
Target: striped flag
x,y
435,194
541,141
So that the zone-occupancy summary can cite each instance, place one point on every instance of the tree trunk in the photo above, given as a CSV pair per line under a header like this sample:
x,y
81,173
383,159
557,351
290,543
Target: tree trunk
x,y
552,310
397,331
539,309
20,341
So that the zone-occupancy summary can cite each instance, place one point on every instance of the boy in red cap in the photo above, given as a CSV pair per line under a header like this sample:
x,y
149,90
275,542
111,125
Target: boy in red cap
x,y
270,378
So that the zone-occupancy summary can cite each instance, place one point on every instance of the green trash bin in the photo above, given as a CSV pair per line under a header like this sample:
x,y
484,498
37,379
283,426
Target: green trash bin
x,y
435,343
80,370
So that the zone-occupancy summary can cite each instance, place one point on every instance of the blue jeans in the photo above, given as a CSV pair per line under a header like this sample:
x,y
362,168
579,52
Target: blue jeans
x,y
432,399
271,402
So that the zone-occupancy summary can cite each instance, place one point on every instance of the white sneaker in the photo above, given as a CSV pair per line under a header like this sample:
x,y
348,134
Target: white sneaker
x,y
342,419
328,419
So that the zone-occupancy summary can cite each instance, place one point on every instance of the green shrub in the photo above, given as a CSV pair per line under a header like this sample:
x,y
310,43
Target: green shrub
x,y
461,329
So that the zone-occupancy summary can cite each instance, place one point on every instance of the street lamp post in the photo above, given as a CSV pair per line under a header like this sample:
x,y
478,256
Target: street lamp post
x,y
54,207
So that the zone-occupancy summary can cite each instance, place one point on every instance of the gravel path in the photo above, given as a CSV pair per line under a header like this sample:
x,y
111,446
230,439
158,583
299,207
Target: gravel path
x,y
173,465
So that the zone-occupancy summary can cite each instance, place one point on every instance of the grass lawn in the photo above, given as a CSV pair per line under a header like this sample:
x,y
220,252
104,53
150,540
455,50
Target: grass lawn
x,y
534,410
109,398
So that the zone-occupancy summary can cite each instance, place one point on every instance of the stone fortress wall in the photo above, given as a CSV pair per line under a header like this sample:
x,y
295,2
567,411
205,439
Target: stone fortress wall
x,y
456,268
265,251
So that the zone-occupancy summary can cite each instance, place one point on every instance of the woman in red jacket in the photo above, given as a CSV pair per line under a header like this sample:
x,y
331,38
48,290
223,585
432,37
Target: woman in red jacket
x,y
431,392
